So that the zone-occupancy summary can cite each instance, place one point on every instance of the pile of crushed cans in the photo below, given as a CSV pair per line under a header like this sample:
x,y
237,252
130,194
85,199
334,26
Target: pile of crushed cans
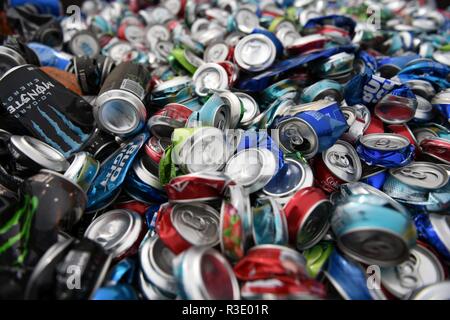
x,y
194,149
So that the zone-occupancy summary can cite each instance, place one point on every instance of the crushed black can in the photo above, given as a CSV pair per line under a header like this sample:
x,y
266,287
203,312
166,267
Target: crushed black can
x,y
34,103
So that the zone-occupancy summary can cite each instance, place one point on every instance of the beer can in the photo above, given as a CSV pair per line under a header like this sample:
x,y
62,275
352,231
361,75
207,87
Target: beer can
x,y
215,113
120,109
385,150
46,109
324,89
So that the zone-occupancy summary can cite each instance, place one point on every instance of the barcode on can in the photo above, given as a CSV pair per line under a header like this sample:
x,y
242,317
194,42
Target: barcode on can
x,y
133,87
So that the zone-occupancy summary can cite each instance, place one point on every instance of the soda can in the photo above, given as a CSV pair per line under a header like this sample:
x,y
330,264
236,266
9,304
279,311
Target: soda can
x,y
246,20
156,268
82,170
45,109
118,232
253,168
235,106
385,150
30,154
422,268
150,291
308,222
436,148
293,176
324,89
119,107
340,269
50,276
107,184
162,123
142,181
254,53
372,233
154,148
232,230
208,77
268,261
200,186
436,291
43,188
405,131
421,88
184,225
390,66
202,273
434,229
269,223
338,164
441,102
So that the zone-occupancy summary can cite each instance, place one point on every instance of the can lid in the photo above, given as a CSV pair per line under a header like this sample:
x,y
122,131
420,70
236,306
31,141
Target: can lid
x,y
421,269
421,88
116,230
255,52
197,223
343,161
295,134
216,52
246,20
156,264
208,275
40,152
426,175
384,141
150,291
192,58
234,105
287,36
156,33
209,76
252,168
119,50
120,112
250,106
436,291
293,176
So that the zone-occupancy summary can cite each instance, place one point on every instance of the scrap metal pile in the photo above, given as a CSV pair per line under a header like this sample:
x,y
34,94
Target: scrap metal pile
x,y
193,149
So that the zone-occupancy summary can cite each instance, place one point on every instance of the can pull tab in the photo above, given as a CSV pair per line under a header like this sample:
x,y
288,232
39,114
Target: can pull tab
x,y
385,143
408,273
341,160
416,174
196,223
294,135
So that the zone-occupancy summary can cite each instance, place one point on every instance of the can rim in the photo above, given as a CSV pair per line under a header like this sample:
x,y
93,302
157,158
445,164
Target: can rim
x,y
321,233
116,94
243,42
17,57
40,152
